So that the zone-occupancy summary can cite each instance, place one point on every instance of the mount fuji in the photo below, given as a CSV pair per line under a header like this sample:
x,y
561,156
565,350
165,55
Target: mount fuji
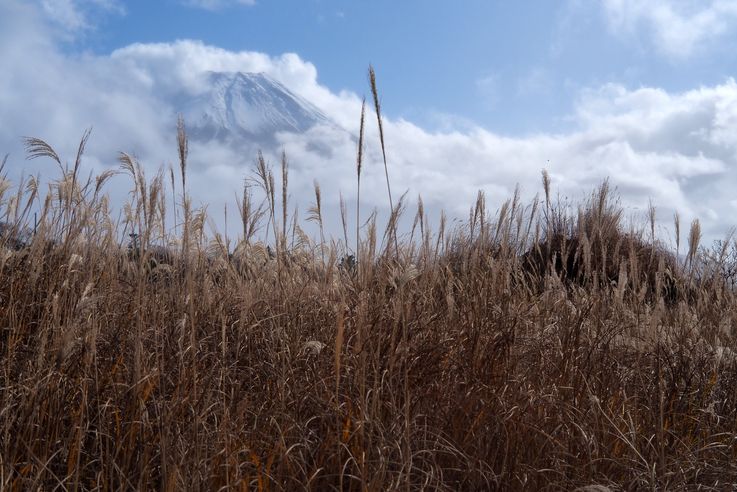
x,y
251,108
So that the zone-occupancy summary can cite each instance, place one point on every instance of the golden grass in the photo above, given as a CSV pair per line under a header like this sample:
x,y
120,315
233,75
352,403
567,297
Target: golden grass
x,y
473,359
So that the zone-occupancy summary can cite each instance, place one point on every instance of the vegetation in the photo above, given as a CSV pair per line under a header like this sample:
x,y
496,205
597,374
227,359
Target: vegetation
x,y
536,348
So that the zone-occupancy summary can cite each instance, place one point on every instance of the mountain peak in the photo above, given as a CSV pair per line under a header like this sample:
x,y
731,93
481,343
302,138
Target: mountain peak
x,y
248,105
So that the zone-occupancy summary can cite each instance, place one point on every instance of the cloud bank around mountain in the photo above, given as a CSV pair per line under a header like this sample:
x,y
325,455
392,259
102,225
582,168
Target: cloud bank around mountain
x,y
678,149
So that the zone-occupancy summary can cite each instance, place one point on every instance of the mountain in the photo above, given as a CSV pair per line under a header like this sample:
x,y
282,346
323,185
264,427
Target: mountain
x,y
249,108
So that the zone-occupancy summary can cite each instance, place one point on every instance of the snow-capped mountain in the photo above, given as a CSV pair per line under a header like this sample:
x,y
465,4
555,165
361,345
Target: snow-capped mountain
x,y
248,107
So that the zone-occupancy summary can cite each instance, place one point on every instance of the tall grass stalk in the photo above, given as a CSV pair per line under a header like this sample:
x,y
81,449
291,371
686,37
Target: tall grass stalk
x,y
392,231
359,163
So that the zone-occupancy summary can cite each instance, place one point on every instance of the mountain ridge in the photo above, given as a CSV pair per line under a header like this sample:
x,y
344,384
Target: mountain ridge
x,y
250,107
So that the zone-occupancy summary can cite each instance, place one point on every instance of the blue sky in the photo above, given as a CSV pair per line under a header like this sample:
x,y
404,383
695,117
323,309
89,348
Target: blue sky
x,y
509,66
479,95
431,55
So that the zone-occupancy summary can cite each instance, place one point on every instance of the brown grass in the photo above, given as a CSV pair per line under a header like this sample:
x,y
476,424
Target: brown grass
x,y
526,350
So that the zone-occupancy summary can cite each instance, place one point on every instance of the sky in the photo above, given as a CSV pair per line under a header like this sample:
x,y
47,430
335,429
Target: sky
x,y
477,95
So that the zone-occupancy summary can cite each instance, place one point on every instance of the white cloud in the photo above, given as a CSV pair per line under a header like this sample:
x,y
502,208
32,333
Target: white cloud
x,y
534,82
680,149
216,4
75,15
678,28
487,87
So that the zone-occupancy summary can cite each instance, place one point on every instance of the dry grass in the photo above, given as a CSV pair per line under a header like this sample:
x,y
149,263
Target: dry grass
x,y
527,350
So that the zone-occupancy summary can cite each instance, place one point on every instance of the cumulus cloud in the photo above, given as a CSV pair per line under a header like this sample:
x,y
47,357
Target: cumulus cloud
x,y
678,28
678,149
216,4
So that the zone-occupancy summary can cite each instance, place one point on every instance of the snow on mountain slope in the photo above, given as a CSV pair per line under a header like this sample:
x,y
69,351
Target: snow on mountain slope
x,y
248,106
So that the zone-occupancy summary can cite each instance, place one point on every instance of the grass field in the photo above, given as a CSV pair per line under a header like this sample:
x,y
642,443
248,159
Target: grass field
x,y
538,347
